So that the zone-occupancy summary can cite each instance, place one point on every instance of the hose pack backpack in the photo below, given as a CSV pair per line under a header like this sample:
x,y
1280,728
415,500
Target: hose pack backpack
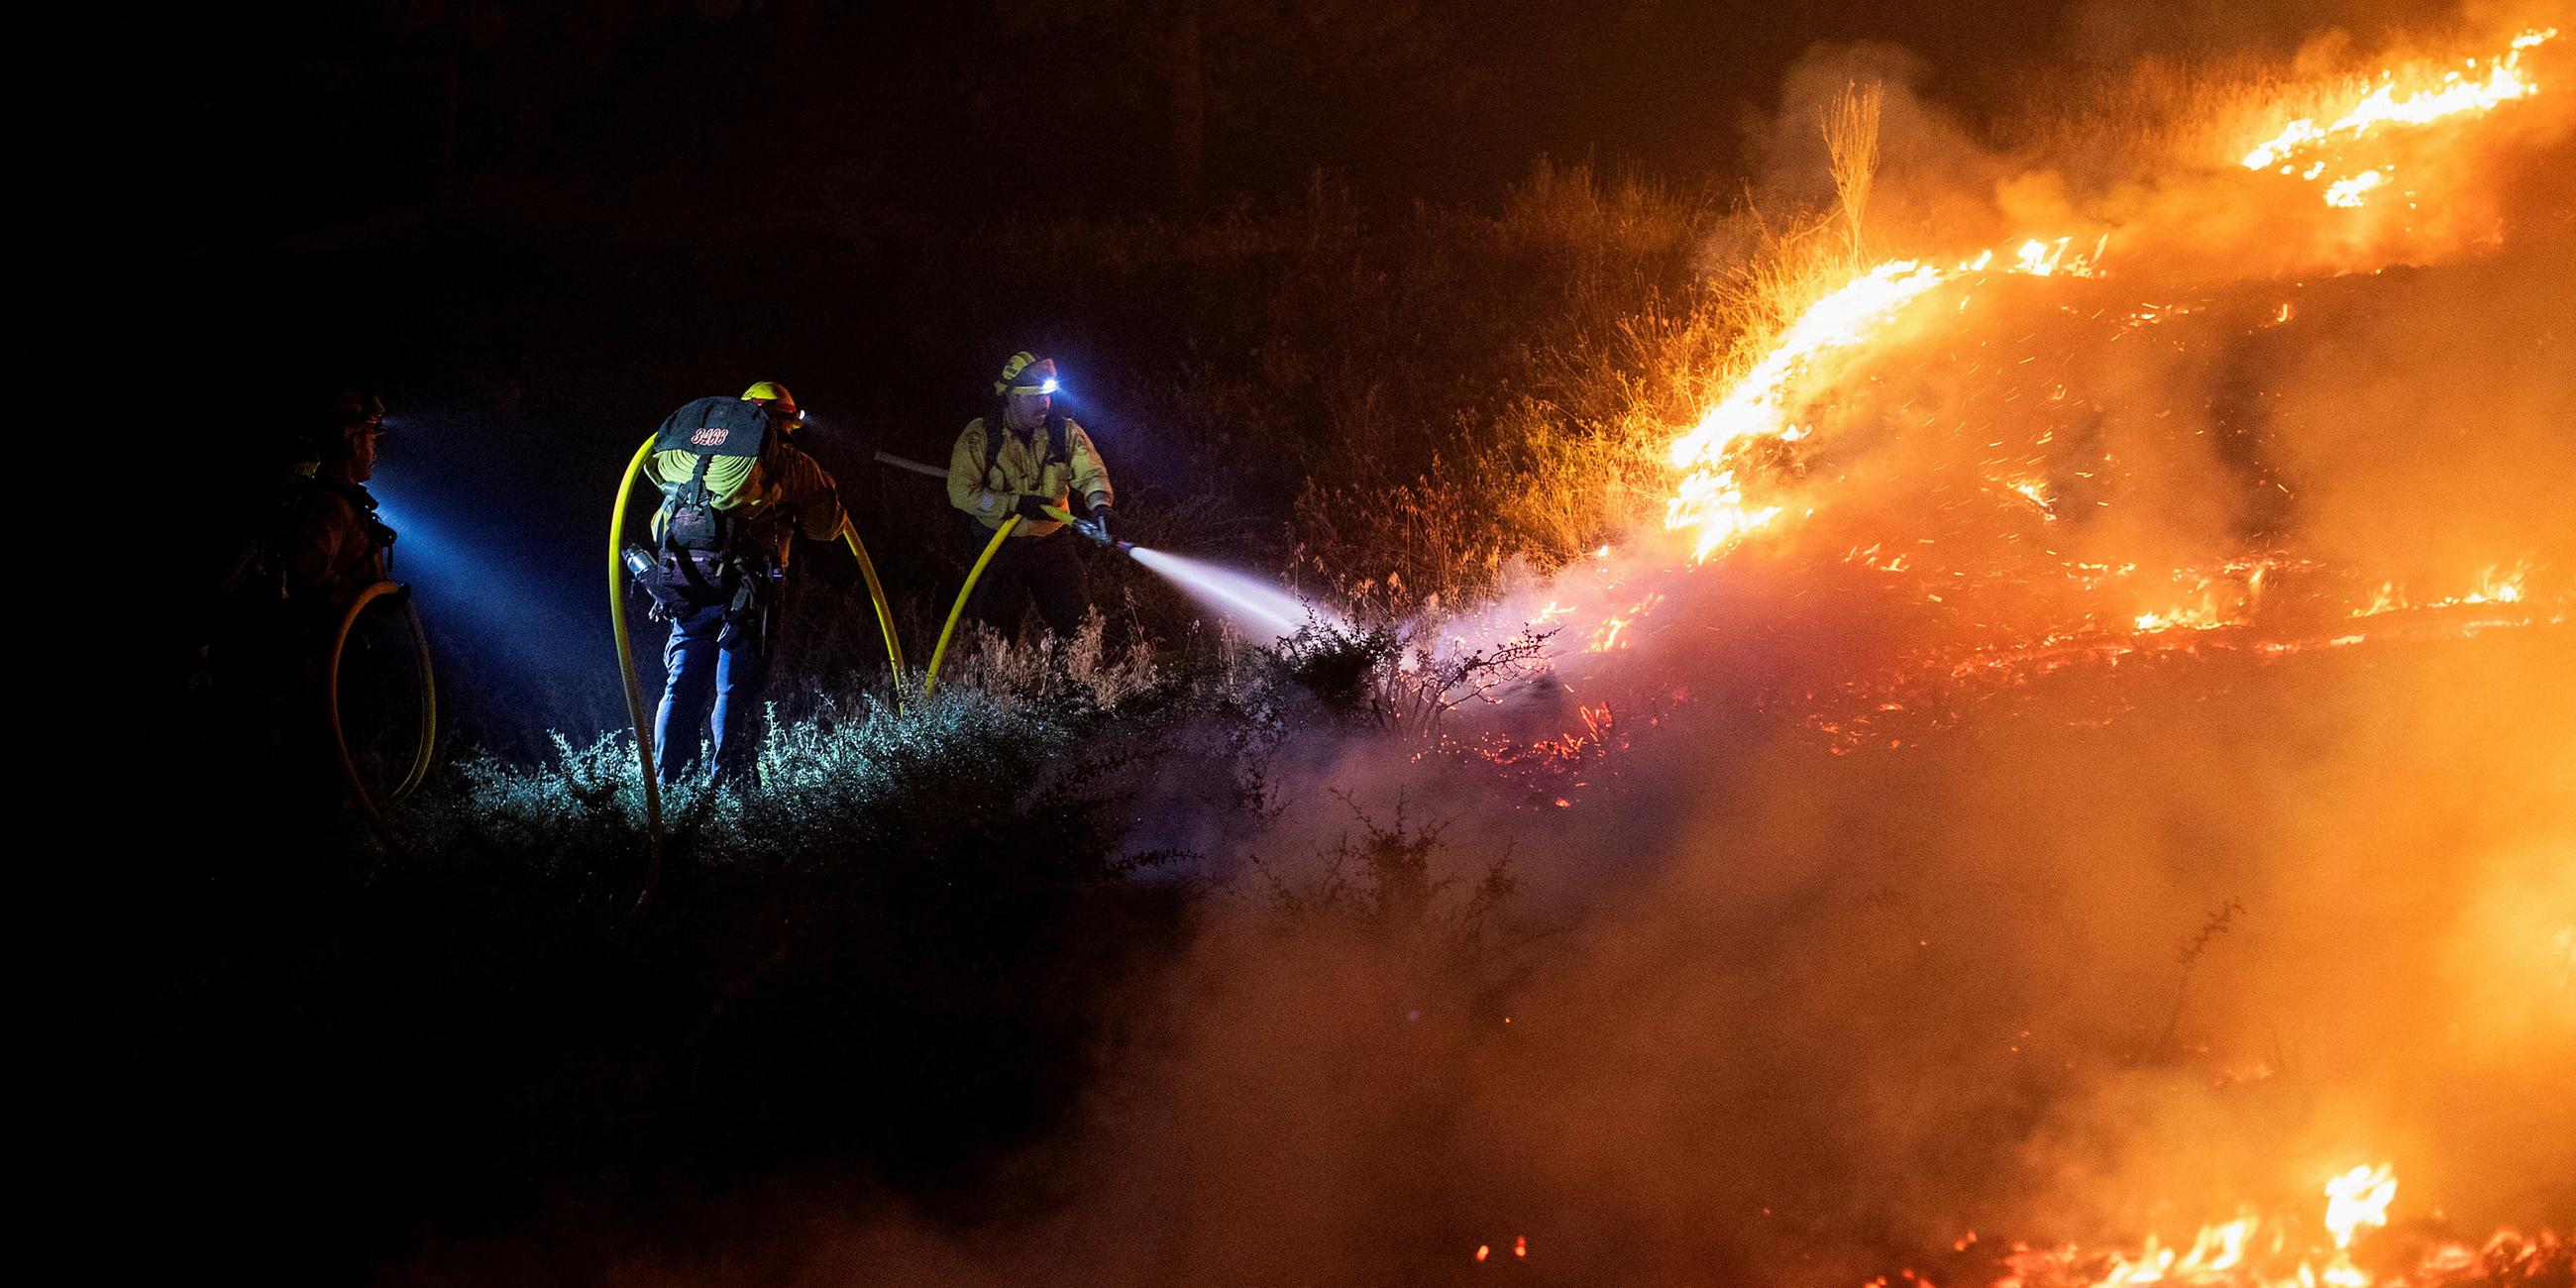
x,y
717,442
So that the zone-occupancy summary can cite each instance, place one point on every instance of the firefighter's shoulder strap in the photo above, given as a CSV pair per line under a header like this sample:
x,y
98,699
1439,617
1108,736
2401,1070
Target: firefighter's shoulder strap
x,y
694,492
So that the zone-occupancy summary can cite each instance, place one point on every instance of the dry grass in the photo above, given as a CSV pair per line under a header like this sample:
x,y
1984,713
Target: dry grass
x,y
1078,673
1851,139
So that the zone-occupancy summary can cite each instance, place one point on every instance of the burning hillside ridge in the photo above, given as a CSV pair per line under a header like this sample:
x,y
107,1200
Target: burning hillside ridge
x,y
2077,448
2205,531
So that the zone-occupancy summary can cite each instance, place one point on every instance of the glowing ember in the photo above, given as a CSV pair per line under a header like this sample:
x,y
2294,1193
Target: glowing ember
x,y
2034,491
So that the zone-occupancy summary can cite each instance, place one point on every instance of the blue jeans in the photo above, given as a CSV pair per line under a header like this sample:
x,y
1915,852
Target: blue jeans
x,y
710,657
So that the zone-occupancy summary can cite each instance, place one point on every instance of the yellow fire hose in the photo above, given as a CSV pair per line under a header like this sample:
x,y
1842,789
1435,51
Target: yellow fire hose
x,y
421,755
626,669
626,648
1000,535
885,615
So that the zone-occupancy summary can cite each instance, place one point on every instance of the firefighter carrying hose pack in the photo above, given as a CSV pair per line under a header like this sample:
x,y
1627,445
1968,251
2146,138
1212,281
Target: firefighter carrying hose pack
x,y
736,491
1019,459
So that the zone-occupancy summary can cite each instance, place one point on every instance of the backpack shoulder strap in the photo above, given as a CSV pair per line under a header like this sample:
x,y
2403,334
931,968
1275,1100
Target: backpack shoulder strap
x,y
992,454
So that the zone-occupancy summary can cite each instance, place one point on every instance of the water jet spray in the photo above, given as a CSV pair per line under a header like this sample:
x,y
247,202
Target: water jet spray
x,y
1245,600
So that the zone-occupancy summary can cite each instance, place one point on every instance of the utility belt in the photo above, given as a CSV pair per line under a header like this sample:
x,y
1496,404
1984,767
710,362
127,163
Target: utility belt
x,y
682,580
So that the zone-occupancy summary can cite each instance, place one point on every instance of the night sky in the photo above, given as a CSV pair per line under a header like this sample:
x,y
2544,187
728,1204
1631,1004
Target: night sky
x,y
328,120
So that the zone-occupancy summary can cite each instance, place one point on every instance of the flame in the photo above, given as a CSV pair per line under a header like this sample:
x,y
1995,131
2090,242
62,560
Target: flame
x,y
1734,465
2346,194
1606,637
1711,501
2250,1252
2357,1199
2480,87
2497,584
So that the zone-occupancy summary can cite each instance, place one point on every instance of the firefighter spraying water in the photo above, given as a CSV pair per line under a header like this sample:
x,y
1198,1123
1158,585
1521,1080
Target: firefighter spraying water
x,y
1014,474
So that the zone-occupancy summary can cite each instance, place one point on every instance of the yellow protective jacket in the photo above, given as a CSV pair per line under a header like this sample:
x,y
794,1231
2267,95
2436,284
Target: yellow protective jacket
x,y
774,495
988,483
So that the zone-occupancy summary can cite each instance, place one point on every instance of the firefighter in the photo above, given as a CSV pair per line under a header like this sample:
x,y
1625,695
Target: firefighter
x,y
274,604
1017,459
723,620
332,545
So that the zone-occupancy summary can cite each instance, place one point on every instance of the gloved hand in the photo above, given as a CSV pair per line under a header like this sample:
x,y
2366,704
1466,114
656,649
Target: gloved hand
x,y
1100,520
1033,509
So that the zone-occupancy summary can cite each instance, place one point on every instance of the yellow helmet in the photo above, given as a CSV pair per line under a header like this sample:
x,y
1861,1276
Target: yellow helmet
x,y
1026,373
774,399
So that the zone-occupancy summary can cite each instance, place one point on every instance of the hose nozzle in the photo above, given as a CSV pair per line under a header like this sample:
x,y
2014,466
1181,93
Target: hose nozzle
x,y
1099,532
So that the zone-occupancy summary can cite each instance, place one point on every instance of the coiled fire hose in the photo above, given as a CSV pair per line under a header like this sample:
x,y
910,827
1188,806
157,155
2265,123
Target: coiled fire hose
x,y
626,651
421,755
